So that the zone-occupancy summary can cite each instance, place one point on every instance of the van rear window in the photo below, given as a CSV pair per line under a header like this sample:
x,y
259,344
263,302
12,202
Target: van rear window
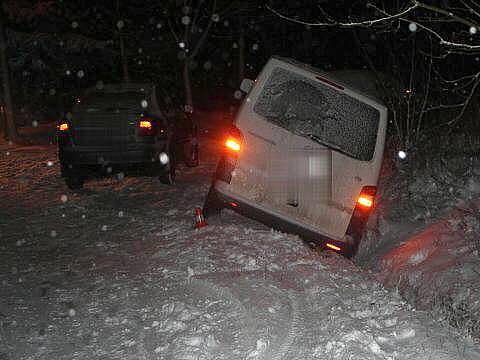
x,y
312,109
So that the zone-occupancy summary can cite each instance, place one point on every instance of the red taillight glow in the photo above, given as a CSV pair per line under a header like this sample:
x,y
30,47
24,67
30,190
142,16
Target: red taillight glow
x,y
233,204
365,201
333,247
232,144
145,124
63,127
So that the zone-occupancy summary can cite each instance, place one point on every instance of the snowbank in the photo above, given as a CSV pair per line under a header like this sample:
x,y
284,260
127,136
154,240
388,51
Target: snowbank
x,y
425,237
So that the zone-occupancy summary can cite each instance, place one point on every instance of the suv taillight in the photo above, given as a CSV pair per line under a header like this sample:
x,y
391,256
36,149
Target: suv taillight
x,y
63,127
233,144
146,126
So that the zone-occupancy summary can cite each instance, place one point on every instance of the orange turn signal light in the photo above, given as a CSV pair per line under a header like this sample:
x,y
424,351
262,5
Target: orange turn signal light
x,y
333,247
63,127
232,144
145,124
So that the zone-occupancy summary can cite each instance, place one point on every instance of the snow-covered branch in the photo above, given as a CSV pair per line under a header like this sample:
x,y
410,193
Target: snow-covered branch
x,y
333,23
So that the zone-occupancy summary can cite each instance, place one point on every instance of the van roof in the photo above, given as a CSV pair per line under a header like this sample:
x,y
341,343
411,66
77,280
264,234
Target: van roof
x,y
360,81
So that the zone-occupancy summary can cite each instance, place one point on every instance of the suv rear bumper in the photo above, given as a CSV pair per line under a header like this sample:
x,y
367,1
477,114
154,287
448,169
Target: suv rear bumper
x,y
96,156
275,220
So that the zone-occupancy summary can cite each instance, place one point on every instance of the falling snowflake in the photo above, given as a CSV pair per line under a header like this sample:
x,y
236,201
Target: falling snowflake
x,y
140,50
109,170
473,30
215,18
235,45
144,103
49,163
412,27
104,227
226,23
35,123
53,233
99,85
120,214
74,24
120,24
237,94
71,312
7,153
52,92
255,47
140,62
186,20
402,154
83,216
80,74
68,72
181,45
64,198
159,26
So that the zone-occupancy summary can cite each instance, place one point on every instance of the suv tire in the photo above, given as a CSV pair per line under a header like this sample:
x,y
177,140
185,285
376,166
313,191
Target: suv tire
x,y
74,180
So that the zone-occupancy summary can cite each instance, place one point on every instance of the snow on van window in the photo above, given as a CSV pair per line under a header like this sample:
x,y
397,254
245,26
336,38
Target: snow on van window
x,y
311,109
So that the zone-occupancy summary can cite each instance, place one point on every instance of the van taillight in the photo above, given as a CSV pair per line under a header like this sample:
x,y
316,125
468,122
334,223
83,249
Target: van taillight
x,y
233,144
366,199
234,140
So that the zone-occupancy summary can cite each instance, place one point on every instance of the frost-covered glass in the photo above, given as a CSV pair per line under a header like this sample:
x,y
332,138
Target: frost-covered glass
x,y
312,109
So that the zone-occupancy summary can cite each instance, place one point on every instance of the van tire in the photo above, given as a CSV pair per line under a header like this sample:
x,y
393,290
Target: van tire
x,y
213,206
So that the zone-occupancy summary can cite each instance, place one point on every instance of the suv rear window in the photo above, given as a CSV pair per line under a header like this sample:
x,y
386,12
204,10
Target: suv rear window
x,y
312,109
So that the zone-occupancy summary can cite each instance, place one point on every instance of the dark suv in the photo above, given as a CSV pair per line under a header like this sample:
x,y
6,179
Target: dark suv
x,y
122,127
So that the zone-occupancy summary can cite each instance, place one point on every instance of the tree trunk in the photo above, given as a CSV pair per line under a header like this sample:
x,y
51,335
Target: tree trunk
x,y
124,60
11,130
188,87
241,54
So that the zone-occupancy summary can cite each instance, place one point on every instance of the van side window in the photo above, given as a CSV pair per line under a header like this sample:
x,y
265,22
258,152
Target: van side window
x,y
309,108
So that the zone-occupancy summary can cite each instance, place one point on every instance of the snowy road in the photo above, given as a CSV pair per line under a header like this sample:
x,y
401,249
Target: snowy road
x,y
118,272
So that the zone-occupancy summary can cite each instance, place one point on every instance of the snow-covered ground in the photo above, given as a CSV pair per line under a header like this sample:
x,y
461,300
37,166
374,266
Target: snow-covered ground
x,y
424,238
118,272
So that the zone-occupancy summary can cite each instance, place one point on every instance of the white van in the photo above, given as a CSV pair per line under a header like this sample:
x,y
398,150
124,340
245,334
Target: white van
x,y
303,156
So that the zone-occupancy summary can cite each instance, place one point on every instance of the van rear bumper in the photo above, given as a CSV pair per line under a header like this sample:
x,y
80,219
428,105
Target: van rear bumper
x,y
277,221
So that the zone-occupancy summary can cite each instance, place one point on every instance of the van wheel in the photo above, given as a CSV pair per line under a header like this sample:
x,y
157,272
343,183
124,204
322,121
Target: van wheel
x,y
353,244
213,206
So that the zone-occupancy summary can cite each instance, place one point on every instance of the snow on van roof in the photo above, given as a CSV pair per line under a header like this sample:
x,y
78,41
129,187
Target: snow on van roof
x,y
361,81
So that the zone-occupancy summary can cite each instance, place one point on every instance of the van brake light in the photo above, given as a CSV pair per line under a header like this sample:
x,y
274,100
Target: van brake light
x,y
232,144
366,199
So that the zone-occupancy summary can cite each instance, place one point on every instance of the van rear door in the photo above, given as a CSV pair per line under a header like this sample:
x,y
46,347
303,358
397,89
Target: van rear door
x,y
312,145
